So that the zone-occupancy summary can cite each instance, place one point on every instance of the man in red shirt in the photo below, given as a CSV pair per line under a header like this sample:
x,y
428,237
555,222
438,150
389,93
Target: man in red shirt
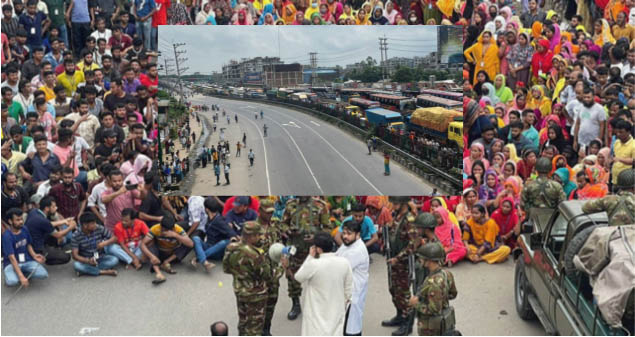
x,y
120,39
159,18
129,232
151,79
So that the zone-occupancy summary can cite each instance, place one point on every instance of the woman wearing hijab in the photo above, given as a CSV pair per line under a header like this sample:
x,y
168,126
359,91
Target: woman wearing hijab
x,y
490,189
562,176
481,235
361,18
449,236
491,93
602,33
299,18
314,8
378,17
504,94
507,219
477,152
594,188
539,101
484,54
201,17
335,8
526,166
552,32
390,12
439,202
327,16
508,41
509,151
347,12
519,60
243,17
288,12
553,137
470,197
268,9
604,158
541,60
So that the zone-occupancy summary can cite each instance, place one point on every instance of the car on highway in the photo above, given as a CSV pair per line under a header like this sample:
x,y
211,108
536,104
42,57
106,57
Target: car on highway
x,y
547,286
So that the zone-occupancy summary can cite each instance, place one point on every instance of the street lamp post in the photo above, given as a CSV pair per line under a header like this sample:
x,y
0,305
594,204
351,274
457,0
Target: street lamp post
x,y
162,118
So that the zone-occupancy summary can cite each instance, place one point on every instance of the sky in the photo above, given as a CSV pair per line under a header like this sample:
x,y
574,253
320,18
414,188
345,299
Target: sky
x,y
209,47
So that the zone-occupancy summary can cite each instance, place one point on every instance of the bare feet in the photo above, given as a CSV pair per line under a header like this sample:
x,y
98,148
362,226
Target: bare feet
x,y
194,262
208,266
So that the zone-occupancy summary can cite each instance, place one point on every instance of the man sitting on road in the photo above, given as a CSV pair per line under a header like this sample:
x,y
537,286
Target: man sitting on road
x,y
129,232
218,236
45,238
165,242
88,246
241,212
18,256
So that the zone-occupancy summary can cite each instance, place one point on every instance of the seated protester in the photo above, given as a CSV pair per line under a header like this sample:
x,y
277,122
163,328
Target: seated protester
x,y
137,143
12,159
449,236
87,63
119,38
48,85
129,232
101,51
108,124
89,79
69,195
506,217
71,77
45,236
20,141
98,187
368,232
481,237
61,103
86,124
137,49
88,248
35,131
516,137
152,207
119,196
165,242
49,106
13,196
19,261
131,119
218,235
109,149
41,164
116,96
240,213
45,119
54,178
130,81
95,104
15,108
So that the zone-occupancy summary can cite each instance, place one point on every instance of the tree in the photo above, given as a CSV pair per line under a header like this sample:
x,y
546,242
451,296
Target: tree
x,y
370,61
403,74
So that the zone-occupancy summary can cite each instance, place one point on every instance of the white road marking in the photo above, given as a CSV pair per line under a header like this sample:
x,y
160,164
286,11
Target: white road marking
x,y
265,154
292,124
315,123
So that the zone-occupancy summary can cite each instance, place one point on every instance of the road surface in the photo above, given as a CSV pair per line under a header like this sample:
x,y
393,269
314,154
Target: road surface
x,y
301,155
192,299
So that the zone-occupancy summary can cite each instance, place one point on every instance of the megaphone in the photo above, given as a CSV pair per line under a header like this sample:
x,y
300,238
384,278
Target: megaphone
x,y
277,250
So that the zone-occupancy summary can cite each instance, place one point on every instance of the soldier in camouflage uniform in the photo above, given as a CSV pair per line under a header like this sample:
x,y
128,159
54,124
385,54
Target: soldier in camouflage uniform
x,y
542,192
400,291
247,262
621,206
272,231
302,218
435,317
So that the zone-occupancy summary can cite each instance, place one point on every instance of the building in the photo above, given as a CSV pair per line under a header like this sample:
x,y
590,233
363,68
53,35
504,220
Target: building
x,y
282,75
235,71
322,74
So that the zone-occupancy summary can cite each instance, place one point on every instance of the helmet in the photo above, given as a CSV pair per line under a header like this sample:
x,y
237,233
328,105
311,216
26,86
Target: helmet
x,y
252,227
267,205
432,251
399,199
425,220
626,179
543,165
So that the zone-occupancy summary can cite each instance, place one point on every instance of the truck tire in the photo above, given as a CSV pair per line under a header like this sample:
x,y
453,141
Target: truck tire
x,y
573,248
521,292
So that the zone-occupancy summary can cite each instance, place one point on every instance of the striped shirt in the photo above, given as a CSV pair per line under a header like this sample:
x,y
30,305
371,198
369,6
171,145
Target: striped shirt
x,y
87,243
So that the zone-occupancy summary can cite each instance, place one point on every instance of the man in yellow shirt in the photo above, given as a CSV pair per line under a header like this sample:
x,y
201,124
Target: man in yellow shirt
x,y
49,85
621,29
70,78
623,148
87,62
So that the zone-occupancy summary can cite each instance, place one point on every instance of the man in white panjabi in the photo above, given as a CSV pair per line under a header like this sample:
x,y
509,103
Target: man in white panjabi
x,y
328,280
354,250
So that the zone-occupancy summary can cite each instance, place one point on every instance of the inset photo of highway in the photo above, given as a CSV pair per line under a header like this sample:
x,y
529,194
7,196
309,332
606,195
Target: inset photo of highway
x,y
310,110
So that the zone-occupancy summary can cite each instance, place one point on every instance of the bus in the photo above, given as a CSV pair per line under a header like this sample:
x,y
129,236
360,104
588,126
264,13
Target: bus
x,y
428,101
347,93
394,103
457,96
363,103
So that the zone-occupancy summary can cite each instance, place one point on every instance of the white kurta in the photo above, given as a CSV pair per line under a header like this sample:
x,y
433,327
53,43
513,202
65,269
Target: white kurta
x,y
328,285
357,256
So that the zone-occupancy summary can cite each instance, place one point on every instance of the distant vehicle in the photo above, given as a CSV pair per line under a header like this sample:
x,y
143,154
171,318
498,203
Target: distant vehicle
x,y
457,96
384,117
444,125
427,101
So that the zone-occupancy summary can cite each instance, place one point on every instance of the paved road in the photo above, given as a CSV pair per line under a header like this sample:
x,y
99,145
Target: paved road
x,y
303,155
191,300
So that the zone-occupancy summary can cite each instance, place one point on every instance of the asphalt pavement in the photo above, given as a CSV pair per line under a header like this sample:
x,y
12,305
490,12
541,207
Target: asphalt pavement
x,y
303,155
191,300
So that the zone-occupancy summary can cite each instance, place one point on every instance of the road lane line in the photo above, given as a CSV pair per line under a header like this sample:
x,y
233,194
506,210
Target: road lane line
x,y
315,123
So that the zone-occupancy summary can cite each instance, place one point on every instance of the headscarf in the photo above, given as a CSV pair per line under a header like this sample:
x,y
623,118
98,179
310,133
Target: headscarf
x,y
301,15
310,10
468,161
317,14
445,207
606,153
327,16
288,19
447,233
554,161
491,94
135,176
490,27
504,93
446,7
268,9
631,17
555,39
503,22
506,223
605,36
336,9
486,192
541,62
247,17
516,184
567,184
542,103
381,20
594,189
507,10
390,16
536,29
512,153
363,21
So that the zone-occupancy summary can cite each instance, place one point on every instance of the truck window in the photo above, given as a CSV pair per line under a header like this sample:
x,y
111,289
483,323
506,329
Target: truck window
x,y
556,237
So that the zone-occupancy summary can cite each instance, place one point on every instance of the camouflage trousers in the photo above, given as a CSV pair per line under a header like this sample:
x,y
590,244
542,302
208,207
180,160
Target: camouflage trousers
x,y
423,331
400,290
272,299
251,317
295,262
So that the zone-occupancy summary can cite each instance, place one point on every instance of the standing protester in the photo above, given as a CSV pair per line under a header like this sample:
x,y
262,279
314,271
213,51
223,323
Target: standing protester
x,y
369,144
329,287
356,253
226,170
247,262
238,145
251,157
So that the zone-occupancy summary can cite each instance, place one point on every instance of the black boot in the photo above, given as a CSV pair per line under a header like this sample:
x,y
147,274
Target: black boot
x,y
295,309
395,321
266,331
406,326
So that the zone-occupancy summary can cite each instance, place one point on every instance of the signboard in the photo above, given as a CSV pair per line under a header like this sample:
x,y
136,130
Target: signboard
x,y
450,47
253,78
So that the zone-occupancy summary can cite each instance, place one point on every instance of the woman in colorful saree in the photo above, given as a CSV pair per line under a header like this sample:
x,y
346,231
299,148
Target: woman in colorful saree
x,y
449,236
481,237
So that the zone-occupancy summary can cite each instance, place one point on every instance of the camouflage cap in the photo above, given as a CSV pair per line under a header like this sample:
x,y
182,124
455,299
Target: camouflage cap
x,y
626,179
543,165
425,220
431,251
252,227
266,205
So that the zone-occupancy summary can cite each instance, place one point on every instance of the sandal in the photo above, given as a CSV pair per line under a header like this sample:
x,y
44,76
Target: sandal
x,y
168,269
158,280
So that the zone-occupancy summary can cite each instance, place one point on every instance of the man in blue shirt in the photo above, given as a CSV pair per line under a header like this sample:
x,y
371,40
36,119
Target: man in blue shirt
x,y
241,212
34,23
19,259
143,11
43,234
218,233
80,24
368,232
42,162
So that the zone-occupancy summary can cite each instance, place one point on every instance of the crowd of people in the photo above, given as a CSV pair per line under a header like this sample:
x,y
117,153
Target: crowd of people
x,y
546,99
315,12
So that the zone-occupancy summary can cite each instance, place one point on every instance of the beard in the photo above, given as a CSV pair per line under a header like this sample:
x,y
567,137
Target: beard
x,y
347,244
588,105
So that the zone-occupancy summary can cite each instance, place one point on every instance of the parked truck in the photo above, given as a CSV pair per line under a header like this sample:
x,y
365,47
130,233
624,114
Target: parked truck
x,y
384,117
445,125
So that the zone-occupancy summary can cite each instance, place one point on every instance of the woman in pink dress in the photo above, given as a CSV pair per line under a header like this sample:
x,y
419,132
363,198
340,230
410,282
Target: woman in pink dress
x,y
449,236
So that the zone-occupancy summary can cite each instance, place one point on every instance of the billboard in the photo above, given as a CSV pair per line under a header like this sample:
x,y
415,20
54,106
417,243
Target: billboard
x,y
449,45
253,78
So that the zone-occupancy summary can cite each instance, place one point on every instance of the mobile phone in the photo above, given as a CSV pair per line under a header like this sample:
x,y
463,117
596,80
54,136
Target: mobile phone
x,y
131,187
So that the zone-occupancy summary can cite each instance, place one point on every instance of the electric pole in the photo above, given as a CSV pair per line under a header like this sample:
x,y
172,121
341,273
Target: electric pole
x,y
383,50
313,58
179,70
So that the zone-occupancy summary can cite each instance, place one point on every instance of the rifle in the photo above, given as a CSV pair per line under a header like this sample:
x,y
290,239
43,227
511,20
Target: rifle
x,y
386,236
412,274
